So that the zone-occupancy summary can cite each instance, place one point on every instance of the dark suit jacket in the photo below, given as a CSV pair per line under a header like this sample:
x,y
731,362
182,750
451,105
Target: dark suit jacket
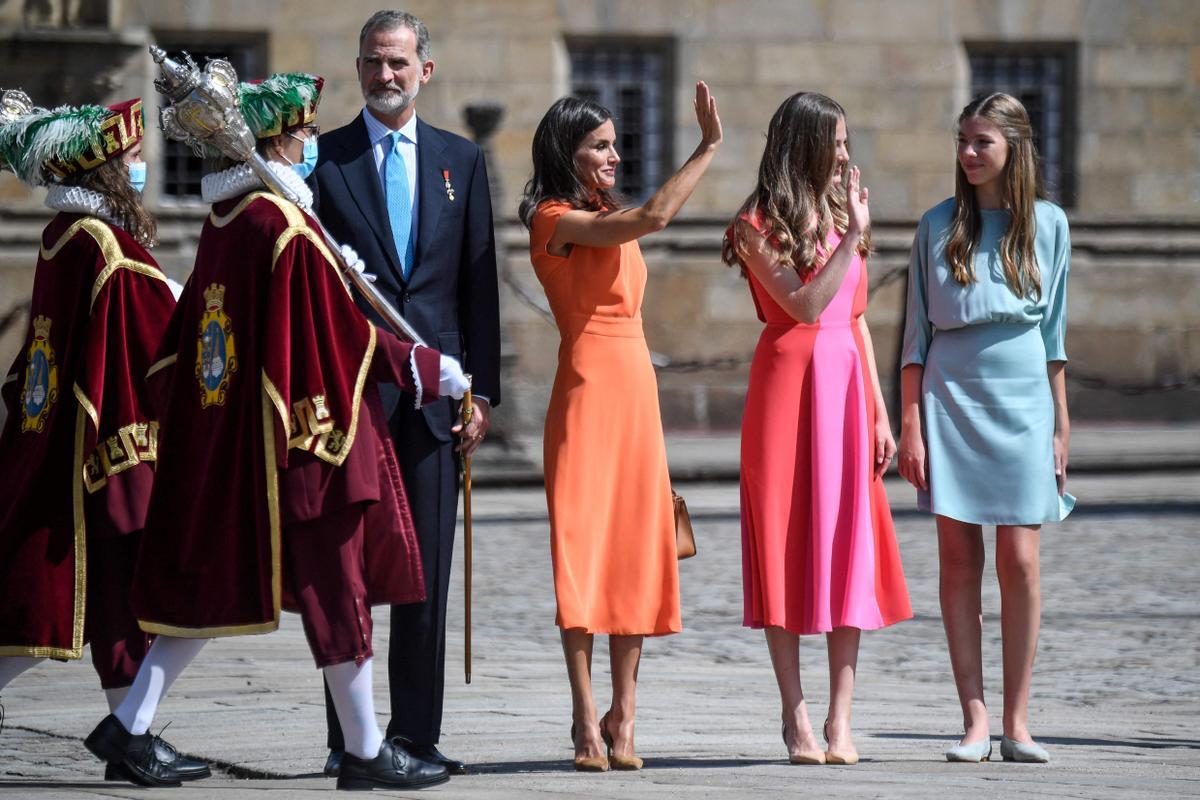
x,y
451,298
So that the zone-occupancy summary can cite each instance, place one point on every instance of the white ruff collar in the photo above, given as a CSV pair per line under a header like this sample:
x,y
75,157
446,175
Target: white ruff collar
x,y
78,200
238,180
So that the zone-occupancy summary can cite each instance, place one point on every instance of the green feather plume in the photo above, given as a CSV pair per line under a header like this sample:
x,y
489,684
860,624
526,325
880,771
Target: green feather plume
x,y
64,134
262,104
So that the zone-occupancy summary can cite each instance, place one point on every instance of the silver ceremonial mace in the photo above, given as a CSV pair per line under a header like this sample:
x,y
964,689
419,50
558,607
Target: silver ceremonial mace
x,y
203,110
14,104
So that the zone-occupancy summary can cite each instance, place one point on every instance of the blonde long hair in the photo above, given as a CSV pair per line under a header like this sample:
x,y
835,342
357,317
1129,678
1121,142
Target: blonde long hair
x,y
794,186
1022,182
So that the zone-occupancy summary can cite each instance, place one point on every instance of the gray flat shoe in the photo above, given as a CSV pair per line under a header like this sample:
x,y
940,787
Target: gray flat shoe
x,y
970,753
1025,752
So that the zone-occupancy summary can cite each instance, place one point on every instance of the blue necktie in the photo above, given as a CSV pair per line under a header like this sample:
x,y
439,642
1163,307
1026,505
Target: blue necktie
x,y
399,204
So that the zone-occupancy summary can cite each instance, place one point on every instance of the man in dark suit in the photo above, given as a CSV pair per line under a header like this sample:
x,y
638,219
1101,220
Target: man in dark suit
x,y
413,201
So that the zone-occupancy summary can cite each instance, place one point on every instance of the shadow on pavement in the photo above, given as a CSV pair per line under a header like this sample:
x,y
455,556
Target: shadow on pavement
x,y
1142,742
564,765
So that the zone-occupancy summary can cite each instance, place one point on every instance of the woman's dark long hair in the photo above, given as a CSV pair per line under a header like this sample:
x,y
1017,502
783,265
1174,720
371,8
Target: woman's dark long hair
x,y
555,177
111,180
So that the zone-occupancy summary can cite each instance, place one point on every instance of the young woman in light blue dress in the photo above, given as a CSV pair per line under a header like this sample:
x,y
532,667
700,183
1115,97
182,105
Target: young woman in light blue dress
x,y
984,412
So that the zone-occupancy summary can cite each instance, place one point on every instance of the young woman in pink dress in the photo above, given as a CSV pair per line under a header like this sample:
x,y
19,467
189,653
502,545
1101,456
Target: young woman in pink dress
x,y
819,552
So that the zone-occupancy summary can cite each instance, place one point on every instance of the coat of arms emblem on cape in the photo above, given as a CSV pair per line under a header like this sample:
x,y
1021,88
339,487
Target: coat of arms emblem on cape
x,y
41,378
216,357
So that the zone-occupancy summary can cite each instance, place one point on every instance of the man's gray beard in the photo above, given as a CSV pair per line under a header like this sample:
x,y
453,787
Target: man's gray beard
x,y
390,102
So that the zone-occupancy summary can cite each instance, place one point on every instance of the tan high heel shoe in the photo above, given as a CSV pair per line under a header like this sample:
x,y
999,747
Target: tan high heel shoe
x,y
804,756
588,763
617,761
833,757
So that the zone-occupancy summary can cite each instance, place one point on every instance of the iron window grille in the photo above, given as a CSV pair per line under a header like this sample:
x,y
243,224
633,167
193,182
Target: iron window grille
x,y
1043,77
633,79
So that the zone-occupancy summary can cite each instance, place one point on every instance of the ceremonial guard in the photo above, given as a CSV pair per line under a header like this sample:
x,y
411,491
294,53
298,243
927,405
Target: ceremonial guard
x,y
80,440
279,488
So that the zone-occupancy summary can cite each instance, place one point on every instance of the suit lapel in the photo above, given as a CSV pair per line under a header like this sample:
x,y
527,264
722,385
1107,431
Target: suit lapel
x,y
362,177
431,196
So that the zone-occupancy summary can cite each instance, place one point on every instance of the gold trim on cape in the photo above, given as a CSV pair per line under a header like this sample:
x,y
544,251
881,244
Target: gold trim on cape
x,y
221,222
76,649
162,363
298,226
129,264
276,401
80,537
87,406
356,400
272,476
110,248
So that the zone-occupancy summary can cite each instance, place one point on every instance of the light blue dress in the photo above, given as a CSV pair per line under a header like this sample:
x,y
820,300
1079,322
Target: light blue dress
x,y
986,406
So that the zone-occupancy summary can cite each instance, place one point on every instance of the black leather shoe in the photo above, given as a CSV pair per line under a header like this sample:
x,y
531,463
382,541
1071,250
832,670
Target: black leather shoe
x,y
333,764
430,753
136,755
188,769
393,768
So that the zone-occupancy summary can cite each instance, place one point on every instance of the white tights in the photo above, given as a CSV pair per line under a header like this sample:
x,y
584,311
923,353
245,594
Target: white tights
x,y
135,707
166,659
350,687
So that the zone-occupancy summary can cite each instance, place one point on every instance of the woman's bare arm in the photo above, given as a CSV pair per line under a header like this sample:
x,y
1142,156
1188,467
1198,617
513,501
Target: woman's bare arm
x,y
611,228
885,444
911,461
806,301
1056,371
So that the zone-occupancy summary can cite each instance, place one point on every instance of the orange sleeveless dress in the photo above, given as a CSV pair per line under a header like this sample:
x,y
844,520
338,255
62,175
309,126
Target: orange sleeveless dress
x,y
612,528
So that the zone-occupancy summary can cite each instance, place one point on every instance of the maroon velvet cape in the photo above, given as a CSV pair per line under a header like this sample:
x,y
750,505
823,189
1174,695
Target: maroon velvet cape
x,y
263,375
79,439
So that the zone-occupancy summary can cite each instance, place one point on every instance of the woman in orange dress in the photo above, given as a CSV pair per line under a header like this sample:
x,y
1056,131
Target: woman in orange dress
x,y
612,531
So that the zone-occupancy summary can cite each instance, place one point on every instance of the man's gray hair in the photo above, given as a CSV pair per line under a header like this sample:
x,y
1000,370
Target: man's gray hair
x,y
390,20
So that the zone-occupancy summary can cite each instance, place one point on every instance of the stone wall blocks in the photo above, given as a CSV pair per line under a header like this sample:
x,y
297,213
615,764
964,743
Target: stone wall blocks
x,y
903,150
906,65
819,64
1138,65
794,20
864,20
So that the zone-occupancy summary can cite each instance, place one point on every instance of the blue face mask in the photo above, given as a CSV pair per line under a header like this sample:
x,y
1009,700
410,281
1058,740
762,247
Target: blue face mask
x,y
137,175
305,167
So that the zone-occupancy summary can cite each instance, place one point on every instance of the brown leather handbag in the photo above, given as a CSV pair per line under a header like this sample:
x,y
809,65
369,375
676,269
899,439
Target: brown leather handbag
x,y
685,539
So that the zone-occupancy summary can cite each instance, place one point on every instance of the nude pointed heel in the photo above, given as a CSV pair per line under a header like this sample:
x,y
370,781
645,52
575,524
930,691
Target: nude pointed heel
x,y
814,757
618,761
588,763
834,757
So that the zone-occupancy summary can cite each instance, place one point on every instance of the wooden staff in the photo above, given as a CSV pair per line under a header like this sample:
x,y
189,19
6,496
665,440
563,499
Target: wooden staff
x,y
468,411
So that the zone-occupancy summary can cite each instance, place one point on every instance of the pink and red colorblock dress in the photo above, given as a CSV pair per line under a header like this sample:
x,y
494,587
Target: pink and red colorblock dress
x,y
818,547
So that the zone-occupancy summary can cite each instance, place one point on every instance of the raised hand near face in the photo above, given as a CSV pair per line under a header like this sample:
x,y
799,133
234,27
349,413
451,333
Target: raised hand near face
x,y
706,116
856,202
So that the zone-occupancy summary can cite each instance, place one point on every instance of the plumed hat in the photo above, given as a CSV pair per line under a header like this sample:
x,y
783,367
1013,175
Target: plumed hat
x,y
46,145
281,103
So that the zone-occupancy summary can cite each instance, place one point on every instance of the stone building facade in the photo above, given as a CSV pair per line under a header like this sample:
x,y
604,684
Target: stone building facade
x,y
1115,86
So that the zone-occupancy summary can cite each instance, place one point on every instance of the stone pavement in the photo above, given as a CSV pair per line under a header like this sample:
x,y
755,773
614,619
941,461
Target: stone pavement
x,y
1095,447
1116,693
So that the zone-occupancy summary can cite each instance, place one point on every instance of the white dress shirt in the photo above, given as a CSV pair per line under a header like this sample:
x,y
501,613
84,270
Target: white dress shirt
x,y
380,137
